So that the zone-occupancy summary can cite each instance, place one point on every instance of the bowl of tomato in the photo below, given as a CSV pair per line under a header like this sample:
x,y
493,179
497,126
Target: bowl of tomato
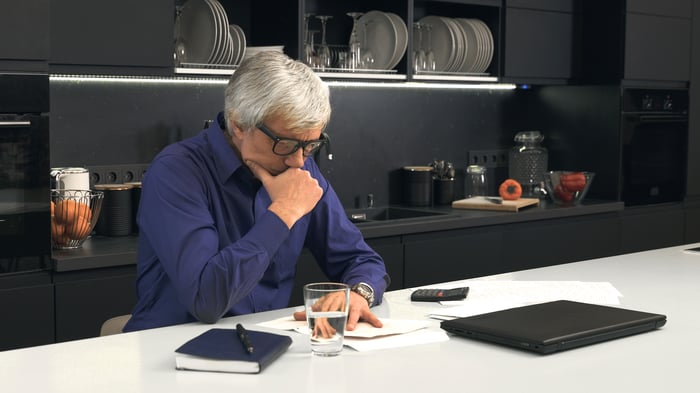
x,y
567,188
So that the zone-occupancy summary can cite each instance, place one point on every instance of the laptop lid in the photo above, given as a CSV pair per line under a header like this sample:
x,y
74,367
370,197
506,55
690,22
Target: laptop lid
x,y
554,326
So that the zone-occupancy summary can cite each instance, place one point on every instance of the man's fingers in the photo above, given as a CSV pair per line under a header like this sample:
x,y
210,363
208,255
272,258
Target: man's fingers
x,y
300,315
261,173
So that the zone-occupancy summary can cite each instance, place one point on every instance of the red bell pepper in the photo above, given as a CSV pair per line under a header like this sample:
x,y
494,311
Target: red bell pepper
x,y
573,182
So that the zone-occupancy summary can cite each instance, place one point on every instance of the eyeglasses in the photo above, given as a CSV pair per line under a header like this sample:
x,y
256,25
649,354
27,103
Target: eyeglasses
x,y
287,146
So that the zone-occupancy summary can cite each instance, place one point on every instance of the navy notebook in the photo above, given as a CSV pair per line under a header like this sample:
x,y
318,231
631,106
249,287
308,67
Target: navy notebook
x,y
554,326
222,350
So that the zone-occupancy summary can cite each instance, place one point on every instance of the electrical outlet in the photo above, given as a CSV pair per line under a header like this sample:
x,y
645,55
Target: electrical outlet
x,y
116,174
132,173
496,158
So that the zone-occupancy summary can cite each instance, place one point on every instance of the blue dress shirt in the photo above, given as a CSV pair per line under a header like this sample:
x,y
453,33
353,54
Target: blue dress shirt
x,y
209,248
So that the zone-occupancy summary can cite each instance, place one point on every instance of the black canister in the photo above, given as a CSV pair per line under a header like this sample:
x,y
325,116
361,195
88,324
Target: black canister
x,y
444,191
135,201
116,214
417,185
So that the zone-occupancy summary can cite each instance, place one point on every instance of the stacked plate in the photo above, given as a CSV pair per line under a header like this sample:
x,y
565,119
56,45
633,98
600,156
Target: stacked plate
x,y
385,35
458,44
203,35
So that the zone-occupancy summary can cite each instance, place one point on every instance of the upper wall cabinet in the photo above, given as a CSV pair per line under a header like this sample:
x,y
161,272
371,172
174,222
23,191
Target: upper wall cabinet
x,y
24,28
541,41
637,40
127,36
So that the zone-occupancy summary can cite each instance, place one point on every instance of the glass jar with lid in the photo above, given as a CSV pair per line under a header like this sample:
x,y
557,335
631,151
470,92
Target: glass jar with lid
x,y
527,162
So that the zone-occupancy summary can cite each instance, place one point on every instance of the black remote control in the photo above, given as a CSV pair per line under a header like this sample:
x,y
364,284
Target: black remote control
x,y
437,295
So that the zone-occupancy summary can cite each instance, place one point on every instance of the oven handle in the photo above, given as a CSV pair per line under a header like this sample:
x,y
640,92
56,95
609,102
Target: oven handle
x,y
19,123
663,118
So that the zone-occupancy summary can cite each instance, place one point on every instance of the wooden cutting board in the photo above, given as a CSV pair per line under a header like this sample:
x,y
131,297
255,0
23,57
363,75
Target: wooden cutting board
x,y
479,203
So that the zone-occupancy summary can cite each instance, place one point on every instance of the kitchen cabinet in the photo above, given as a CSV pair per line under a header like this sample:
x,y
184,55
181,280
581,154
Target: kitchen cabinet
x,y
87,298
692,222
651,42
475,252
124,37
552,242
389,248
24,26
27,307
652,226
452,255
541,41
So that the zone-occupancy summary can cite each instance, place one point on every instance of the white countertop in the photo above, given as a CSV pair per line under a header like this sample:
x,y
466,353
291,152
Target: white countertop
x,y
665,281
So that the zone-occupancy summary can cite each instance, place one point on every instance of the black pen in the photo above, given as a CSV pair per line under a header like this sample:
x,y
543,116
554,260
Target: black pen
x,y
243,335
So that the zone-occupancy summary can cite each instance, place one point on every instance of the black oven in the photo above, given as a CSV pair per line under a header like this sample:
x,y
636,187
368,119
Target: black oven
x,y
654,145
25,218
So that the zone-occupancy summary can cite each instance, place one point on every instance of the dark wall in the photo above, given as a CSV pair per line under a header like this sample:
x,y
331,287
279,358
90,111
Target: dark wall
x,y
375,130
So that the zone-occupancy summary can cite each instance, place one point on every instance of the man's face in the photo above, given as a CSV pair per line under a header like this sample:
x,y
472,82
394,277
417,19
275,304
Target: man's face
x,y
256,146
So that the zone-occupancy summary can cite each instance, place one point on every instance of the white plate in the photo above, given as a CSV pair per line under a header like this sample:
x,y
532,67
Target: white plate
x,y
488,45
441,42
473,46
242,48
460,44
381,38
401,39
197,31
223,43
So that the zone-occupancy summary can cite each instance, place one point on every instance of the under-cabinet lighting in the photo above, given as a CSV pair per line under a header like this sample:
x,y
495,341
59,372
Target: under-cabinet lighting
x,y
223,81
426,85
137,79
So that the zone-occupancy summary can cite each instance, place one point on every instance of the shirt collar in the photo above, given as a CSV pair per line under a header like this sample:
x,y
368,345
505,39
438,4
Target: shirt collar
x,y
227,161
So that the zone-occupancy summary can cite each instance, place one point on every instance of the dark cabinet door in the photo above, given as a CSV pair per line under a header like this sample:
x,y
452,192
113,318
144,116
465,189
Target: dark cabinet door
x,y
452,255
650,227
390,249
24,28
678,8
692,223
27,309
85,299
552,242
539,44
127,33
657,48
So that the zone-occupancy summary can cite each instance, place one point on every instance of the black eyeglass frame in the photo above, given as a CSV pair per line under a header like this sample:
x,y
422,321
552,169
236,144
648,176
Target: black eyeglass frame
x,y
315,144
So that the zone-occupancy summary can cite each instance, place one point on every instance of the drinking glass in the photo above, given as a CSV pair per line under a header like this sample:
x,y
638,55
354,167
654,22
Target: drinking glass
x,y
326,306
324,53
367,55
418,54
354,45
308,42
429,55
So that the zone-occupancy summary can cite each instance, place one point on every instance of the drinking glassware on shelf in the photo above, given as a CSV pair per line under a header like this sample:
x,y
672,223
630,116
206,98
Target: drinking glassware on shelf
x,y
418,54
309,58
367,55
354,46
429,55
324,53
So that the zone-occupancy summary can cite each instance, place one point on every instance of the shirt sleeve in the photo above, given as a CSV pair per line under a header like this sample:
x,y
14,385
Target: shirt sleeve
x,y
338,245
175,216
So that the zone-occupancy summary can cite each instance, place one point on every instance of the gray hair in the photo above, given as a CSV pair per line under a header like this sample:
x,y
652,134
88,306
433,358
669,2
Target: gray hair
x,y
271,85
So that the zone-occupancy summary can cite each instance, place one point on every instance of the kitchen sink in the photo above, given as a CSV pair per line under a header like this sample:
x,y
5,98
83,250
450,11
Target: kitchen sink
x,y
376,214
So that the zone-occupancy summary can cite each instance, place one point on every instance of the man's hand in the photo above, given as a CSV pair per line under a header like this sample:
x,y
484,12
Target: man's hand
x,y
359,311
293,192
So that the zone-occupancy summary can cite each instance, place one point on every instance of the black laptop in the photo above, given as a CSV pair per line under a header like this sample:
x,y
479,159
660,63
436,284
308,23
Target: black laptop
x,y
554,326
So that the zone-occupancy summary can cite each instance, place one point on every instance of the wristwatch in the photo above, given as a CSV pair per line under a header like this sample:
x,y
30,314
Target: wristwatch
x,y
365,291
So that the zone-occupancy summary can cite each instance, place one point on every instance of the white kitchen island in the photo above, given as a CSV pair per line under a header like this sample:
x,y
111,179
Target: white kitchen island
x,y
665,281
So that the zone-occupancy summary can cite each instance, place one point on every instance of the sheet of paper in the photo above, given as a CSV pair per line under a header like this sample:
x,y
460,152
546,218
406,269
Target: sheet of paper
x,y
418,337
391,327
488,295
284,323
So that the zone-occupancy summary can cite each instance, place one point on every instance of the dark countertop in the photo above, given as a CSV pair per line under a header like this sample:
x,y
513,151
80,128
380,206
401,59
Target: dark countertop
x,y
101,252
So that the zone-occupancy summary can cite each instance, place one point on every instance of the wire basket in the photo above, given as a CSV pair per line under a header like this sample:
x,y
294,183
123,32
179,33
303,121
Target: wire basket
x,y
74,214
